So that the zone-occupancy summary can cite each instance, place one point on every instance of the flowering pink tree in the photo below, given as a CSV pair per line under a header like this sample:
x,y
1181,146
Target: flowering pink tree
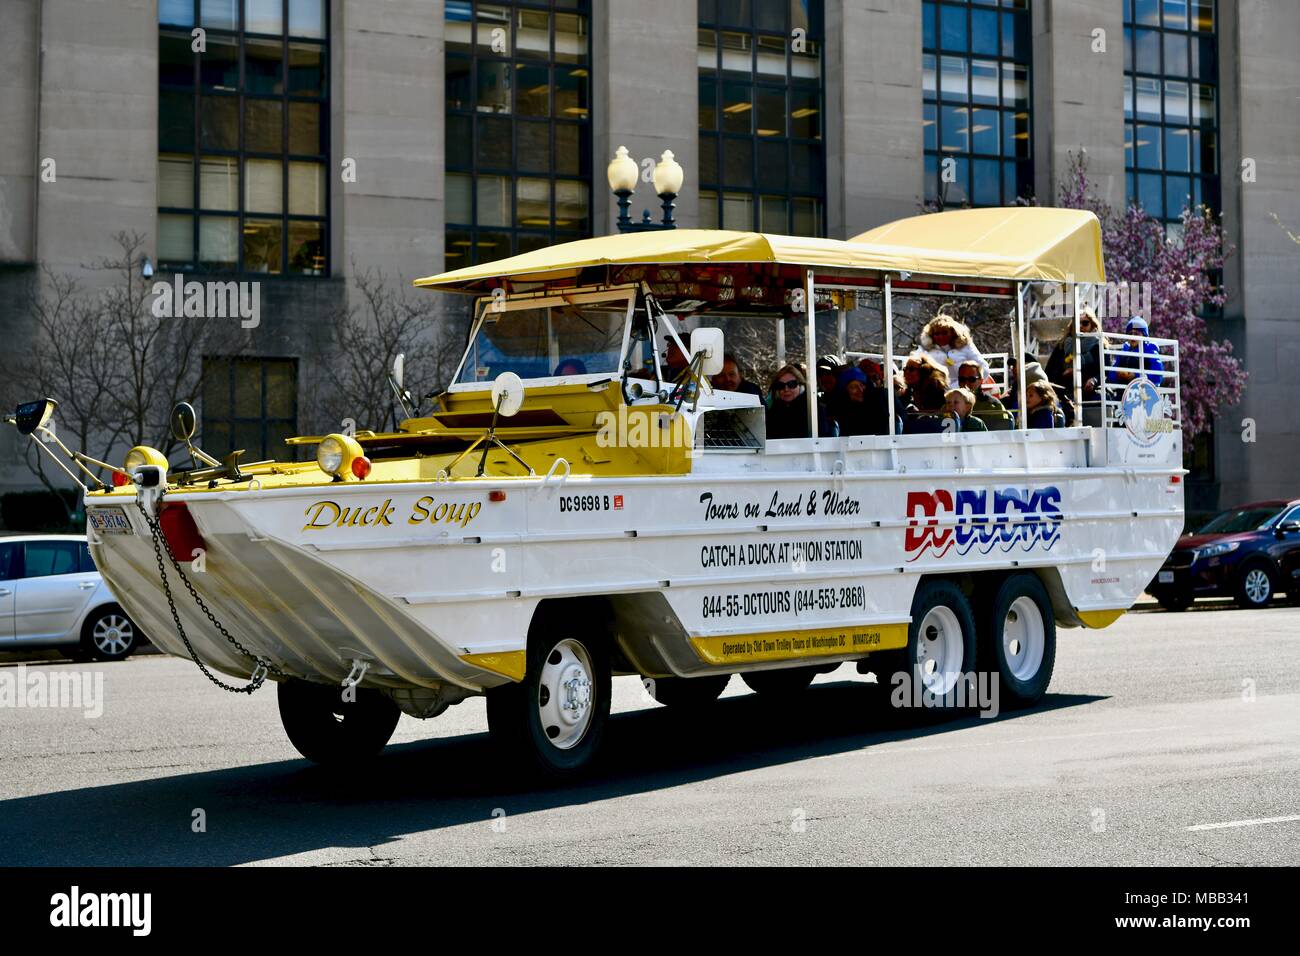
x,y
1178,271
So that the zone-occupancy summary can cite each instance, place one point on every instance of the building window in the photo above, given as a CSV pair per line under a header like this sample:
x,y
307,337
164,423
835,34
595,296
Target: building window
x,y
762,160
976,82
249,403
1171,77
518,163
243,136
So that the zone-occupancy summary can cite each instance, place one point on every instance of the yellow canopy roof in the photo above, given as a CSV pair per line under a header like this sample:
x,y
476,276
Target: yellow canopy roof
x,y
1006,243
1016,242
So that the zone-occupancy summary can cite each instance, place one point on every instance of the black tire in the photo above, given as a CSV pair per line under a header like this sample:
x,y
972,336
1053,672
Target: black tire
x,y
791,680
686,693
328,730
1177,601
930,595
1022,674
109,635
1256,585
514,711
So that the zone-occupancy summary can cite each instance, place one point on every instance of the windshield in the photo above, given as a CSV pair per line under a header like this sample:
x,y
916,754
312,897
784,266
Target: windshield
x,y
544,342
1236,522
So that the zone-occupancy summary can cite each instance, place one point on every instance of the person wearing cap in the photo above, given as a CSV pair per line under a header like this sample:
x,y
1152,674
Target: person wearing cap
x,y
860,408
1033,373
828,371
1131,364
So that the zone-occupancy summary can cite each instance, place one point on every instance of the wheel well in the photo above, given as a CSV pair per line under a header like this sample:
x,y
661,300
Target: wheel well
x,y
980,587
596,614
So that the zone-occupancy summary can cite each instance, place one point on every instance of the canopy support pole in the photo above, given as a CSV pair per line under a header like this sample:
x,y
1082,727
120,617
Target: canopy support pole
x,y
1021,289
1078,362
889,350
811,348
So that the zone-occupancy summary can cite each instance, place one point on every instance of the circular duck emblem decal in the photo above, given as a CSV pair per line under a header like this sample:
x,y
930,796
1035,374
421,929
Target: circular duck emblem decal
x,y
1145,413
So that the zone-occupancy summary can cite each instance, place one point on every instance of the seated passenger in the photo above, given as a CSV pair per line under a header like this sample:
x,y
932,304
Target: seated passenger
x,y
1153,366
571,366
986,406
787,413
925,415
859,407
874,371
1041,403
1033,373
730,378
948,343
917,365
1060,365
828,371
961,403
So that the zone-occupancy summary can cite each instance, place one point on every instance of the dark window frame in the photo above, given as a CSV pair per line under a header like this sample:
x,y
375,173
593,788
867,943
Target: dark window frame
x,y
1021,167
477,58
262,420
712,21
241,154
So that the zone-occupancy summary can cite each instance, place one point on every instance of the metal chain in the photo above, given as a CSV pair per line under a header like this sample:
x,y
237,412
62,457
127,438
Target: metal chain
x,y
263,666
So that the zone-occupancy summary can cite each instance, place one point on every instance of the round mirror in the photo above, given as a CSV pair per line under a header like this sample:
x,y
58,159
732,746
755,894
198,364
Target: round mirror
x,y
399,368
184,420
508,393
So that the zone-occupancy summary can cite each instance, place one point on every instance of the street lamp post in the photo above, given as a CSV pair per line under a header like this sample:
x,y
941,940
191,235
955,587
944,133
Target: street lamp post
x,y
622,175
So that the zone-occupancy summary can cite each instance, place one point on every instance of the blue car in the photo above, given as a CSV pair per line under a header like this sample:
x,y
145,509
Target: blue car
x,y
1250,554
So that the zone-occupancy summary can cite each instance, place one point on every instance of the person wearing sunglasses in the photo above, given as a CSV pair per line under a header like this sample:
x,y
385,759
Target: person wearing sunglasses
x,y
787,414
986,406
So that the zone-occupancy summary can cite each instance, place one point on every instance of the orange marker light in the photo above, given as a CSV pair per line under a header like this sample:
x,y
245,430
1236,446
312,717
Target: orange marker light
x,y
361,466
496,496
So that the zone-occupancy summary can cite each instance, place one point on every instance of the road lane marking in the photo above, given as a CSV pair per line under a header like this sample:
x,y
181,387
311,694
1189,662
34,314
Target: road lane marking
x,y
1244,823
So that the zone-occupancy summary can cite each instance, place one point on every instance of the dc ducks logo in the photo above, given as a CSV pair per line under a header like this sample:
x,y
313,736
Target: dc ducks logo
x,y
941,521
1145,412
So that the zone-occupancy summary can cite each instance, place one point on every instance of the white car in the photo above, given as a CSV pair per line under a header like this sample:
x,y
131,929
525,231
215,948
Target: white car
x,y
51,595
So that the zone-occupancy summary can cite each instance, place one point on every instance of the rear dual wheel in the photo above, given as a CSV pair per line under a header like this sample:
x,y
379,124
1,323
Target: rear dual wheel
x,y
1018,640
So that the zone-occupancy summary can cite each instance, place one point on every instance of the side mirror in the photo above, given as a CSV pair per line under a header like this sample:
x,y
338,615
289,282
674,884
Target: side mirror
x,y
507,394
33,415
184,421
708,341
1287,527
399,368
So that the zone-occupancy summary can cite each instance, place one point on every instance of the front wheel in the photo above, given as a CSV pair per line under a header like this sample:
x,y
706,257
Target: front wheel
x,y
1255,586
109,635
553,721
328,729
1018,640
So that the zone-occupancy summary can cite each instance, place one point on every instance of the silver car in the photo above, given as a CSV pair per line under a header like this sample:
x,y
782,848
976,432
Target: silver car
x,y
51,595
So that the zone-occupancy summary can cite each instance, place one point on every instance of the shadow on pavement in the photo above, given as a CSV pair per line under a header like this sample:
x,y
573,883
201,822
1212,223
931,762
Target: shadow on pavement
x,y
287,807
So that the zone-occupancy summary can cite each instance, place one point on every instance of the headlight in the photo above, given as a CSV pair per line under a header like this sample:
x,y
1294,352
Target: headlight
x,y
1215,550
336,453
143,455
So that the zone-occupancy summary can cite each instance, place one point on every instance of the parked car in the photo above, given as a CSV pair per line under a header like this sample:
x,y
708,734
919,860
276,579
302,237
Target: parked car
x,y
1249,553
51,595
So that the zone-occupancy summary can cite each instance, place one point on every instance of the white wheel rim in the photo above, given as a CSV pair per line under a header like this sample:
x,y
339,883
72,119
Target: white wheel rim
x,y
1258,585
566,694
940,650
112,634
1024,637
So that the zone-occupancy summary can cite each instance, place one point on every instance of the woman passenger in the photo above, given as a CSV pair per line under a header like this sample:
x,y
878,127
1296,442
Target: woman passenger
x,y
787,413
948,343
859,407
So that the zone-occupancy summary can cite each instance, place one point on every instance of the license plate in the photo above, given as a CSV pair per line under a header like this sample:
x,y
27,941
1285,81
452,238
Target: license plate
x,y
109,521
1166,577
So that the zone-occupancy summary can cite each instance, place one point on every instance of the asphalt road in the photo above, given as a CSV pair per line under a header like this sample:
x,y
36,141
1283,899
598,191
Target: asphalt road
x,y
1163,740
